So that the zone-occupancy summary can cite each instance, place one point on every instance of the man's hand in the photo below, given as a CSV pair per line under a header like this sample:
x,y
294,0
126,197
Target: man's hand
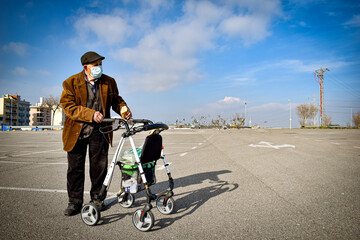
x,y
98,117
125,113
128,114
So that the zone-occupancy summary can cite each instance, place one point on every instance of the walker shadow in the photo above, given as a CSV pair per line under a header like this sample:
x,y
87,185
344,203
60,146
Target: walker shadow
x,y
185,203
188,202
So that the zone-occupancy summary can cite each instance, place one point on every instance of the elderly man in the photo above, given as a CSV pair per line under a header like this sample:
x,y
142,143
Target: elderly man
x,y
86,99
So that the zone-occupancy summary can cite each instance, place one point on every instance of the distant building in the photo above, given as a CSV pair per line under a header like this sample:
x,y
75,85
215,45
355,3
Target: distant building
x,y
59,117
40,115
14,111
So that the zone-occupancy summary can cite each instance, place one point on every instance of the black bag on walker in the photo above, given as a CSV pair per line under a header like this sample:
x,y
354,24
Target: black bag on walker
x,y
149,170
151,152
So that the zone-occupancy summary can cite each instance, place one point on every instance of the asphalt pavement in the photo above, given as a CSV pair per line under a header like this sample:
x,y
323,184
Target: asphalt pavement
x,y
229,184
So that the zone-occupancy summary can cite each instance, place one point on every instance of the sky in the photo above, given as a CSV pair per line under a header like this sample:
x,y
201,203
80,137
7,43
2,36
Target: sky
x,y
176,59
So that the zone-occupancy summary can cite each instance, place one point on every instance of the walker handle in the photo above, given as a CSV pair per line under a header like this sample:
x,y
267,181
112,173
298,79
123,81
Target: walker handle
x,y
108,120
117,122
156,126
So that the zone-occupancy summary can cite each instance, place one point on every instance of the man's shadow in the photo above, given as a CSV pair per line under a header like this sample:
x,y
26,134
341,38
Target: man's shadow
x,y
185,203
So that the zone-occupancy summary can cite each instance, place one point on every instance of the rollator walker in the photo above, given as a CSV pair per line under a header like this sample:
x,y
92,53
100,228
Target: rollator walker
x,y
152,150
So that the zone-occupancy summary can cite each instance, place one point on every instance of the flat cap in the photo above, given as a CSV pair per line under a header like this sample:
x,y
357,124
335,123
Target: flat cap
x,y
90,57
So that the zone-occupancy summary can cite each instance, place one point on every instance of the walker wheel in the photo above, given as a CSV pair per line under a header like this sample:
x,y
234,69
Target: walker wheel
x,y
90,214
165,208
126,200
148,220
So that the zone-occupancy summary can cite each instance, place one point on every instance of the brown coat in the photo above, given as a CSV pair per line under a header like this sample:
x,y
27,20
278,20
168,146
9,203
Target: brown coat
x,y
73,101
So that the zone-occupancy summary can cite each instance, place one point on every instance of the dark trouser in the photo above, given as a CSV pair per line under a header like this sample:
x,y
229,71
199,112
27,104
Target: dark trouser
x,y
98,157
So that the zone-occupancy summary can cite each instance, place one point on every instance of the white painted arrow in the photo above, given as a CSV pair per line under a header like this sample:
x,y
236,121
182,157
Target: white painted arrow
x,y
269,145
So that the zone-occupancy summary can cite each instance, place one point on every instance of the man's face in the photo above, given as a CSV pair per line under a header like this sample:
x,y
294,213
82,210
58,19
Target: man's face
x,y
88,66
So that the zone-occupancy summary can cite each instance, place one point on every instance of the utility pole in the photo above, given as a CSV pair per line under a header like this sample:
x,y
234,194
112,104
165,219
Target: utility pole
x,y
320,79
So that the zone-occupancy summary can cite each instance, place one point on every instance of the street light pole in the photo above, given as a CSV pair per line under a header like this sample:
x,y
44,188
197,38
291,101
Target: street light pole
x,y
10,112
290,113
245,113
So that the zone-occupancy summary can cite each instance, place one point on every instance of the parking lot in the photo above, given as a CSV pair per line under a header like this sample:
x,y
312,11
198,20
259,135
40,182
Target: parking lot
x,y
229,184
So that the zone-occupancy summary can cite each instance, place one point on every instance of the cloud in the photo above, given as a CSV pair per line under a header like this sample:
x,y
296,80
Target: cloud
x,y
269,107
24,72
229,101
44,72
51,90
354,21
106,29
227,105
251,25
301,66
20,71
302,24
18,48
250,28
291,66
165,54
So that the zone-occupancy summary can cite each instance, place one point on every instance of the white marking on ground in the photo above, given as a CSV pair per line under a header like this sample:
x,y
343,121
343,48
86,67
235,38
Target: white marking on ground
x,y
209,138
186,143
43,190
30,153
193,148
162,167
269,145
45,163
335,143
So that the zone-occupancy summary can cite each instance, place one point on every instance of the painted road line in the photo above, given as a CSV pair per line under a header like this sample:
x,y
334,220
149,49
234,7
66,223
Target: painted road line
x,y
187,143
31,153
162,167
43,163
183,154
43,190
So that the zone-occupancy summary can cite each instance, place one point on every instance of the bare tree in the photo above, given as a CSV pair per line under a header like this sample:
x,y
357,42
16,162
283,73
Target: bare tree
x,y
195,122
326,120
219,121
222,121
237,120
53,103
306,111
313,110
215,123
356,119
303,113
202,121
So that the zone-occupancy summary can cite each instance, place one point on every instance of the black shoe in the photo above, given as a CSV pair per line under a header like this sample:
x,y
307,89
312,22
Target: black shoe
x,y
72,209
99,204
